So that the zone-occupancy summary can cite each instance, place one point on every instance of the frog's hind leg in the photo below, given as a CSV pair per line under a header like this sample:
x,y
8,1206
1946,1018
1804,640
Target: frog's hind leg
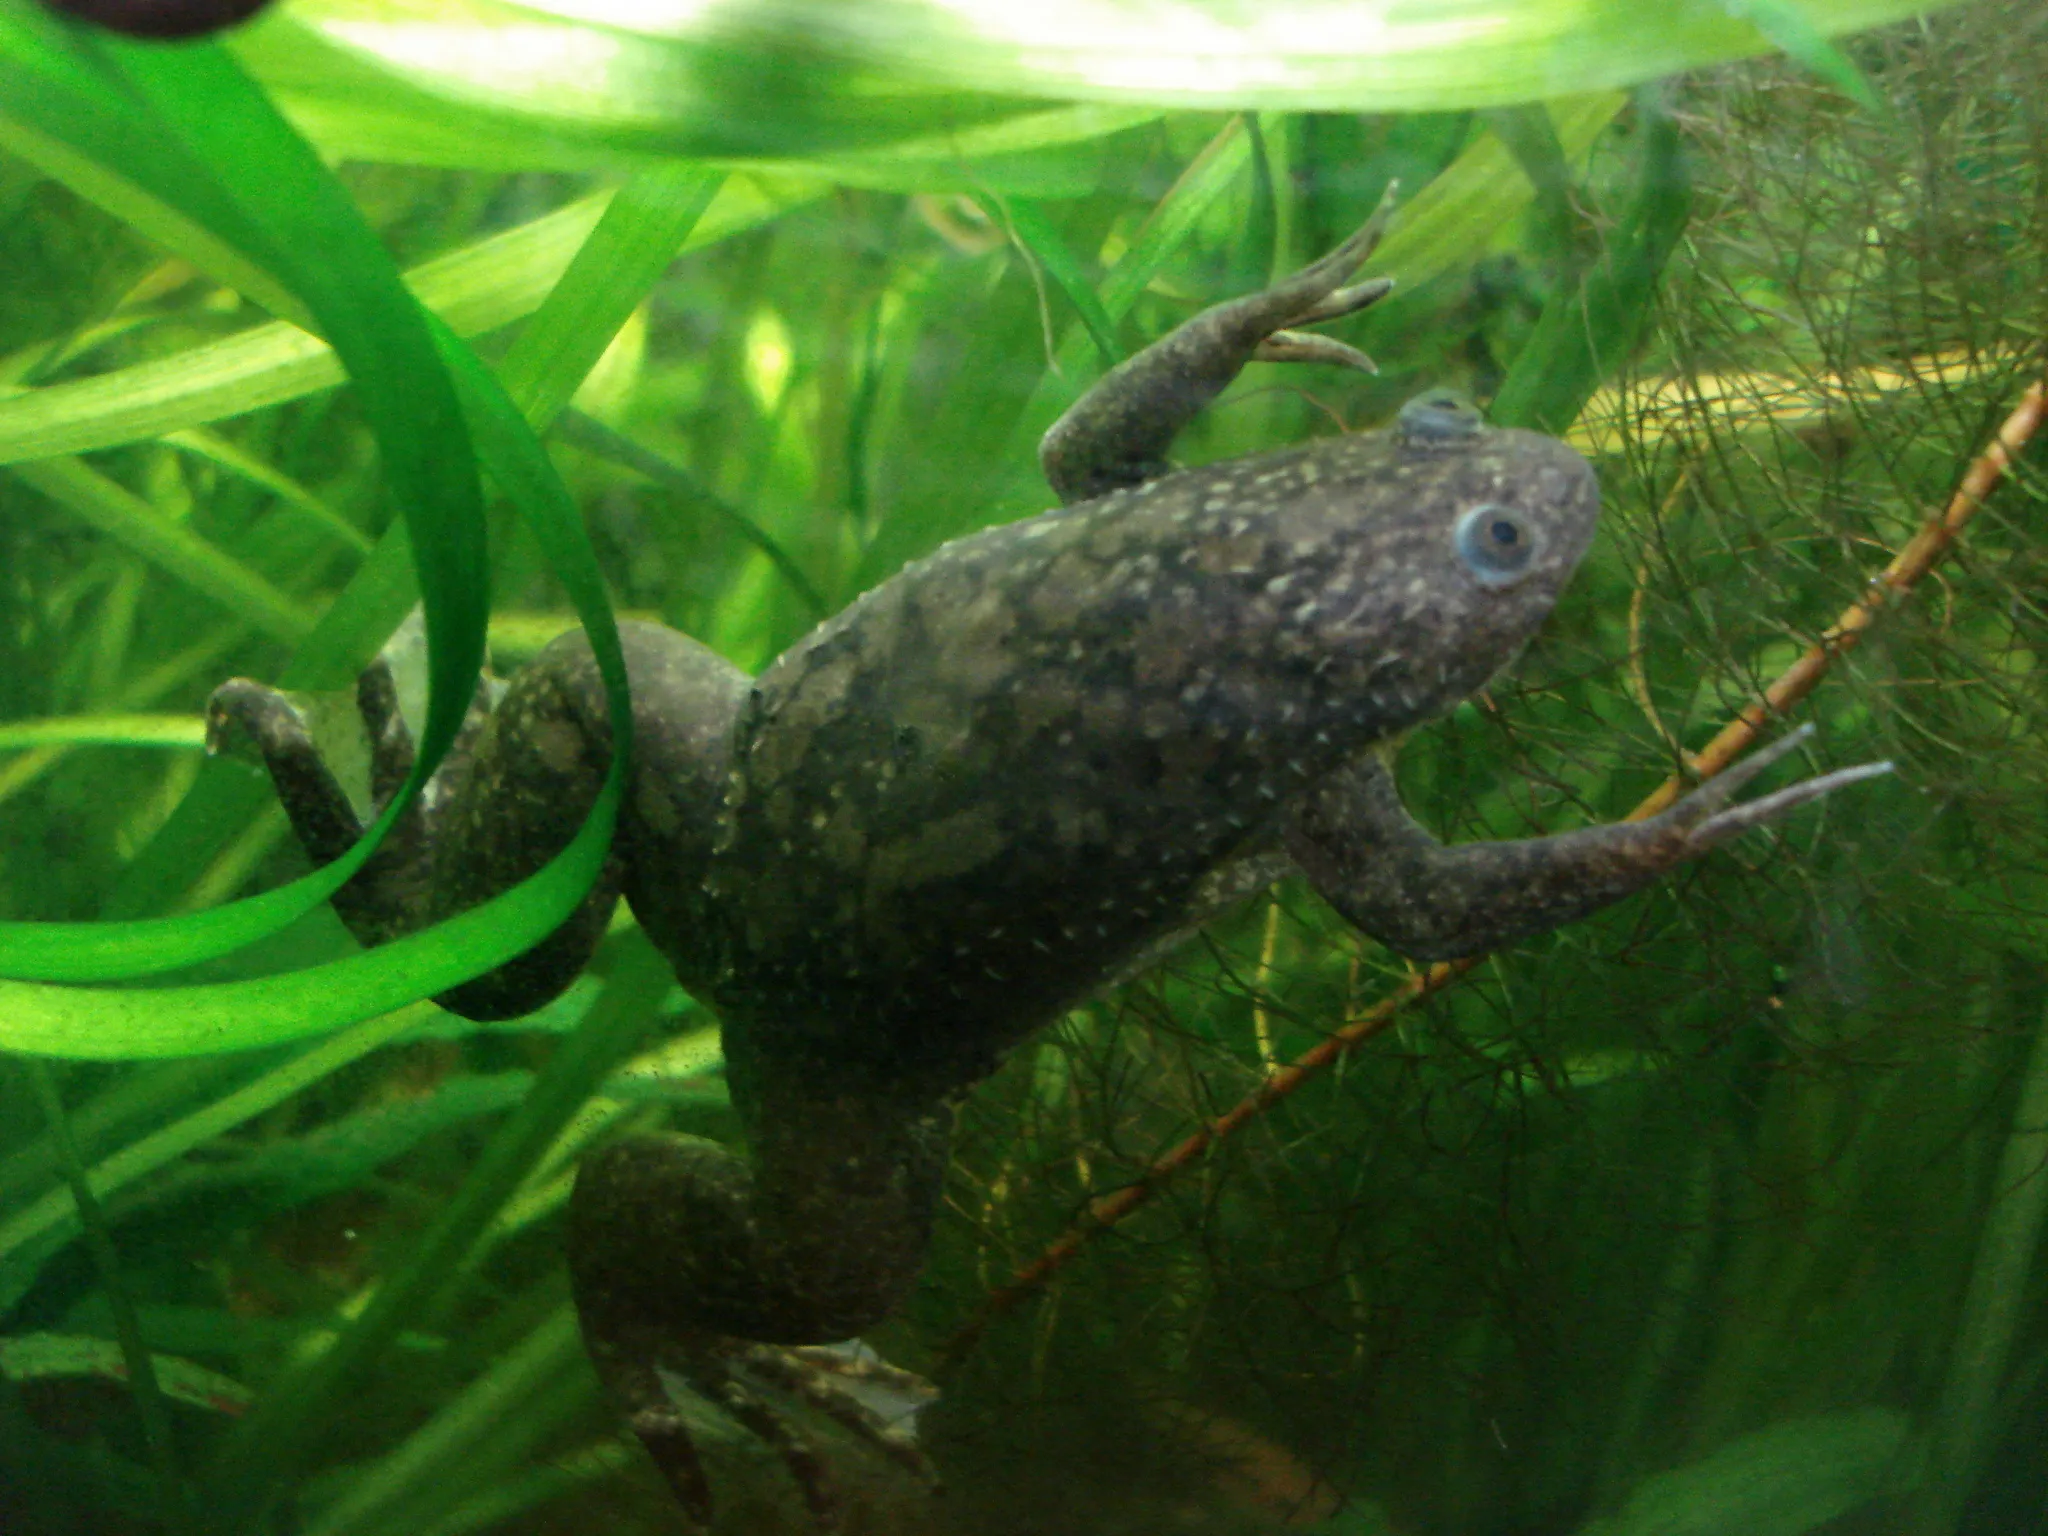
x,y
1117,434
517,784
1358,846
437,859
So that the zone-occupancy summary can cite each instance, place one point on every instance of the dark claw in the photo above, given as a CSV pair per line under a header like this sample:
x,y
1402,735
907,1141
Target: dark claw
x,y
1315,292
813,1477
1707,816
1304,347
667,1438
744,1379
821,1374
1754,813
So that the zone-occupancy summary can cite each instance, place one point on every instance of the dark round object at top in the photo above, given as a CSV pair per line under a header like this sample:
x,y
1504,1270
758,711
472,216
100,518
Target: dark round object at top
x,y
165,20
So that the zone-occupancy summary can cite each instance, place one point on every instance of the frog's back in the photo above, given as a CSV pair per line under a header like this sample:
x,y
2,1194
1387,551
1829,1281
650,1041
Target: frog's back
x,y
964,801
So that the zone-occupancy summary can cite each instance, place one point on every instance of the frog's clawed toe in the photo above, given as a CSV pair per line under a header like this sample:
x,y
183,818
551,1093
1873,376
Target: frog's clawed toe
x,y
1754,813
1117,436
666,1437
391,748
1306,347
1317,293
1707,817
1319,285
847,1383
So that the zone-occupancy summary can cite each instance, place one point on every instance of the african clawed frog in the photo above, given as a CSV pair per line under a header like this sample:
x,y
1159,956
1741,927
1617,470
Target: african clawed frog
x,y
1002,778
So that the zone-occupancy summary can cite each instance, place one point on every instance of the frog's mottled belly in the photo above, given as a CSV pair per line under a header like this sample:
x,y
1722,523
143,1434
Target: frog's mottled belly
x,y
965,801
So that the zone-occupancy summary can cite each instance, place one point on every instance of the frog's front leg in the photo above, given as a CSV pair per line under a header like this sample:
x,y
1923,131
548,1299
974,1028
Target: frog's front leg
x,y
512,792
1367,857
1117,434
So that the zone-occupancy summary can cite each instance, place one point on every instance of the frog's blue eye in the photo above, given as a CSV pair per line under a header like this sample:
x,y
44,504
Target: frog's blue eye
x,y
1497,544
1437,418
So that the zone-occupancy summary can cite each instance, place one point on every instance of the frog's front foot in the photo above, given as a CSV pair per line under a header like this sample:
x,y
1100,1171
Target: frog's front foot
x,y
877,1403
388,896
1360,849
1118,433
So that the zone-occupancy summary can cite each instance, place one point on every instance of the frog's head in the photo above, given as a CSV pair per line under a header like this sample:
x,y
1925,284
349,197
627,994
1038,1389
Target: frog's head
x,y
1452,541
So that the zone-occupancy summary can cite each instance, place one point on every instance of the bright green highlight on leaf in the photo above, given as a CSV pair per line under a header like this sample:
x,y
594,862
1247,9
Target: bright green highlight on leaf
x,y
104,730
616,76
53,1356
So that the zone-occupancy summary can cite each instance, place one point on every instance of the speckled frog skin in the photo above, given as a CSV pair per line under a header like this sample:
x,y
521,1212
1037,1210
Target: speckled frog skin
x,y
1000,780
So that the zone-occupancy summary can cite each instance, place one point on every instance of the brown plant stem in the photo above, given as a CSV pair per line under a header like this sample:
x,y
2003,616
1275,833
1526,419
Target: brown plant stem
x,y
1919,556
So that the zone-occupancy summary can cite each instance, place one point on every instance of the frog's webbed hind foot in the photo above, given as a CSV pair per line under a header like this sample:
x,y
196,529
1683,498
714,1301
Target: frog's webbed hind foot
x,y
632,1371
859,1391
874,1401
1117,434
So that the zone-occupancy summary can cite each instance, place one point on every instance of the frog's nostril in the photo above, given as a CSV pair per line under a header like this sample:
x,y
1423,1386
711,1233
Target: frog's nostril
x,y
1437,417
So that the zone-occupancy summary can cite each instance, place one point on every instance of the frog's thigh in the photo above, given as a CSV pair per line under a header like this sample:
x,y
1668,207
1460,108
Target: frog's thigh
x,y
685,1237
552,735
537,772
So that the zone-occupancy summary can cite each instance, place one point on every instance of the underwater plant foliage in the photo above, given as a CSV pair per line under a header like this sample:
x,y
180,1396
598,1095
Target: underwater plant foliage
x,y
1718,1211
